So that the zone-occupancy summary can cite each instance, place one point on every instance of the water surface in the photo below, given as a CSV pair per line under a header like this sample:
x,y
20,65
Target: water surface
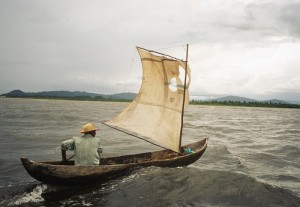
x,y
253,157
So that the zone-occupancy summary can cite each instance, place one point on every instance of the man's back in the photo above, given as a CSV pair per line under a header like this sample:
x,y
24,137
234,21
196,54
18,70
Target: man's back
x,y
87,150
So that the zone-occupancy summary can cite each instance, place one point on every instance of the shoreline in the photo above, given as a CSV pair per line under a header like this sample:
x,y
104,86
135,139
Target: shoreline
x,y
193,102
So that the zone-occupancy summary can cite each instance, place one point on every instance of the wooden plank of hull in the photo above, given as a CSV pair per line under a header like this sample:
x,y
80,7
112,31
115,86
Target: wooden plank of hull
x,y
60,173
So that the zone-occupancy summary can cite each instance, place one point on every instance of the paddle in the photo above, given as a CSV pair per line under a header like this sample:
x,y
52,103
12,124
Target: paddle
x,y
64,155
70,157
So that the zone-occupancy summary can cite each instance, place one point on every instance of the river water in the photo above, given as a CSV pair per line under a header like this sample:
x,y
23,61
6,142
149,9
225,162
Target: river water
x,y
253,157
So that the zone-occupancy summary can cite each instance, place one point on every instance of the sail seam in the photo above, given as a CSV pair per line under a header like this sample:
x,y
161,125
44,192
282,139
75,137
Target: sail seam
x,y
162,106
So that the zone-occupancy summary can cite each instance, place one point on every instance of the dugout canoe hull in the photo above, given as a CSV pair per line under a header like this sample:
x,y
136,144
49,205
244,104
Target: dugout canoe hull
x,y
66,173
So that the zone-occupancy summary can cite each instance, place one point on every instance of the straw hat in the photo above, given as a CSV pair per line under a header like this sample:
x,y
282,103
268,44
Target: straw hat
x,y
89,127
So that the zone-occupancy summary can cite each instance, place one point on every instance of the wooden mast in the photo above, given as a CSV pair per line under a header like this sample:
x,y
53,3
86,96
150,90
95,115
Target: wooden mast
x,y
184,90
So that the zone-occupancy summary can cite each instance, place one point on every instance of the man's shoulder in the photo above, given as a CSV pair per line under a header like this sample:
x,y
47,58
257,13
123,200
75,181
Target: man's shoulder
x,y
76,138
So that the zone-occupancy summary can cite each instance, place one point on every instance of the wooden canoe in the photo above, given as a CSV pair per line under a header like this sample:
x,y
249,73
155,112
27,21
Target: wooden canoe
x,y
66,173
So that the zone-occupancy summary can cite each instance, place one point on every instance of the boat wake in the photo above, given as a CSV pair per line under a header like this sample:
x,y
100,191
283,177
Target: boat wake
x,y
35,196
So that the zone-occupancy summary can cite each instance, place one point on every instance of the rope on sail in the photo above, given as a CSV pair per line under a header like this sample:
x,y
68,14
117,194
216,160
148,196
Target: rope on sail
x,y
131,134
159,53
129,71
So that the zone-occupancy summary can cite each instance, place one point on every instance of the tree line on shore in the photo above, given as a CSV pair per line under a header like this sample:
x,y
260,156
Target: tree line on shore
x,y
75,98
244,103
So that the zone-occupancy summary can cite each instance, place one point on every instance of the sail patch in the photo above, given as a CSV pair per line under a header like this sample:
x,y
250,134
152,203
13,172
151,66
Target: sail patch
x,y
176,83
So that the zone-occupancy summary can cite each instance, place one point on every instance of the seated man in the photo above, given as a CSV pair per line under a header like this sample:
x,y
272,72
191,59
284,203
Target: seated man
x,y
87,148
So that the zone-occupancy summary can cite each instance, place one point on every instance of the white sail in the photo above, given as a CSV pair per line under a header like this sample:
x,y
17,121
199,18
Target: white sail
x,y
156,113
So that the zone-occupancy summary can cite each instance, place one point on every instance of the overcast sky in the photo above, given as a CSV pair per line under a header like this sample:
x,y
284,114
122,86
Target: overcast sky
x,y
247,48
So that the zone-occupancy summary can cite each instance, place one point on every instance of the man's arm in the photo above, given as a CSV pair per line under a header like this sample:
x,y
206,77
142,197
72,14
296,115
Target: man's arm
x,y
66,145
63,155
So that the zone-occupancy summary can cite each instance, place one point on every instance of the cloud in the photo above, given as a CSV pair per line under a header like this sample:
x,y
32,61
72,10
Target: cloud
x,y
236,47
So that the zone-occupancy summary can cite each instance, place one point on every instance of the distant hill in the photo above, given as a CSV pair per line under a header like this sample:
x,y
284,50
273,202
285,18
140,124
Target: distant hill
x,y
68,94
121,96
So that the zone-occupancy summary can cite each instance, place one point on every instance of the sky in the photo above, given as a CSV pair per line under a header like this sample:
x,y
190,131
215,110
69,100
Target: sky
x,y
248,48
